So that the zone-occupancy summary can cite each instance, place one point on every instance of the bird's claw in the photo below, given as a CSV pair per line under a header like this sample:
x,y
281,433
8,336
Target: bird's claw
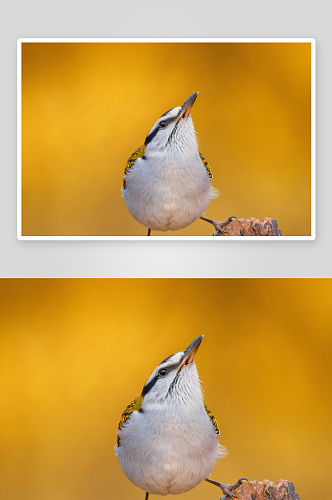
x,y
226,492
226,488
219,226
228,220
239,482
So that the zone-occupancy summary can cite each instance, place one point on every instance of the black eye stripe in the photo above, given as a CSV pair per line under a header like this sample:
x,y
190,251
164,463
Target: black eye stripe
x,y
149,386
151,136
152,382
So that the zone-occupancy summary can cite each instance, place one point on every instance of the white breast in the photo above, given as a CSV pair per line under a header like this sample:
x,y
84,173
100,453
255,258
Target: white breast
x,y
168,450
168,195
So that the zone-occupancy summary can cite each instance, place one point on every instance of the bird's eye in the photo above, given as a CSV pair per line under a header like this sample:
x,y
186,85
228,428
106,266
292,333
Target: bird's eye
x,y
162,372
162,124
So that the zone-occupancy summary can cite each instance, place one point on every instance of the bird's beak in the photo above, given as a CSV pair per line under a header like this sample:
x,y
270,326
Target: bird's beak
x,y
186,108
189,353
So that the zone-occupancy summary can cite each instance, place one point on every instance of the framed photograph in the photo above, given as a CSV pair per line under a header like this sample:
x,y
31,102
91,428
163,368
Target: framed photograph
x,y
76,352
121,138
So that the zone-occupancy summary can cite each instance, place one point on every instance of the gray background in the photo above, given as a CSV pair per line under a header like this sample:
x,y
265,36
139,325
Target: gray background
x,y
267,18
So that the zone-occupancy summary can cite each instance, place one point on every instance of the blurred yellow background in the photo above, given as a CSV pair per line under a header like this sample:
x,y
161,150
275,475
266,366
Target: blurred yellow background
x,y
87,106
75,352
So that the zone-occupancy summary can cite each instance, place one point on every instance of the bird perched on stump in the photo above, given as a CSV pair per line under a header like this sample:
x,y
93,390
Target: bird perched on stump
x,y
167,182
167,437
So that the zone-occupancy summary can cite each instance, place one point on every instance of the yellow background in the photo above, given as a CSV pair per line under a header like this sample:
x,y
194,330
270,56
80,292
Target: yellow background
x,y
87,107
74,353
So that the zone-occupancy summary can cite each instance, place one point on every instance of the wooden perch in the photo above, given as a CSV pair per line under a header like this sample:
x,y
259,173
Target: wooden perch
x,y
249,227
266,490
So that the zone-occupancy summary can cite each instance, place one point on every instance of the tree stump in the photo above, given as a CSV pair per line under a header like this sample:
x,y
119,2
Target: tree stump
x,y
249,227
266,490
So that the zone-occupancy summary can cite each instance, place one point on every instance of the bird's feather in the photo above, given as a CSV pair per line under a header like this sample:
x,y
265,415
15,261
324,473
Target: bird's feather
x,y
213,419
207,166
139,153
133,406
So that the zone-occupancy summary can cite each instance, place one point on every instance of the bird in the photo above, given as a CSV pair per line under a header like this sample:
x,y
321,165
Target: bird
x,y
167,181
167,438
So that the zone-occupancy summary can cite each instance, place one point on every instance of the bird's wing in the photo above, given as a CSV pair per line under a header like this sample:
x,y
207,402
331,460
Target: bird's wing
x,y
213,419
133,406
207,166
139,153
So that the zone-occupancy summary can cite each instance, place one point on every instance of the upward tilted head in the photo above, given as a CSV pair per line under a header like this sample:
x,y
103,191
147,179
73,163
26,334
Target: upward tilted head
x,y
174,378
173,130
167,182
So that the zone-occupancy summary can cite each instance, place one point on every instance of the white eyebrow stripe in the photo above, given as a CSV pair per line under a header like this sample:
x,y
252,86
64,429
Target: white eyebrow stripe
x,y
171,114
166,113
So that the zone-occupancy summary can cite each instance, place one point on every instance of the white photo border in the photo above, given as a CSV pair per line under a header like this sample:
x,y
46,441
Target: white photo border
x,y
312,41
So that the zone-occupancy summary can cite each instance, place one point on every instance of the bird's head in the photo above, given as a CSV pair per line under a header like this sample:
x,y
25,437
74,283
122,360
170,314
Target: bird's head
x,y
174,129
175,377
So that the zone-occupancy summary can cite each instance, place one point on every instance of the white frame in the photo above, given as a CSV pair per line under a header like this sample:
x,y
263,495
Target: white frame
x,y
312,41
